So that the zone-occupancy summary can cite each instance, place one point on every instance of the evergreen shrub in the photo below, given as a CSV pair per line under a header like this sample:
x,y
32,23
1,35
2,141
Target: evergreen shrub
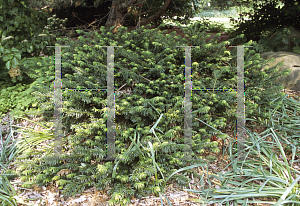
x,y
152,67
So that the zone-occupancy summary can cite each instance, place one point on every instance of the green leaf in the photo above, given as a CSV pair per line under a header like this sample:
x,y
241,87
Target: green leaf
x,y
7,65
11,28
18,56
14,62
20,78
15,10
19,19
5,58
16,24
296,49
27,102
14,49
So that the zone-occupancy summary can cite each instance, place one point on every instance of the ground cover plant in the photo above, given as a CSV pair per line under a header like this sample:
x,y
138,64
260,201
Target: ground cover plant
x,y
8,153
154,74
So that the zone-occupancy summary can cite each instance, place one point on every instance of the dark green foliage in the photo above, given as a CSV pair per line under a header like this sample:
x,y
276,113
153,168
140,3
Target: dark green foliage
x,y
153,68
268,17
21,27
15,98
278,40
23,35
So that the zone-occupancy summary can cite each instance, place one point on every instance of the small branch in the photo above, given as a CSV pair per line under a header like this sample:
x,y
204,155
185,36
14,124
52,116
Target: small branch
x,y
121,87
145,78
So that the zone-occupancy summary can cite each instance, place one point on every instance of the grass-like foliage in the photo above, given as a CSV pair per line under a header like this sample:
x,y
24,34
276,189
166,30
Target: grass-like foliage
x,y
152,69
270,167
8,152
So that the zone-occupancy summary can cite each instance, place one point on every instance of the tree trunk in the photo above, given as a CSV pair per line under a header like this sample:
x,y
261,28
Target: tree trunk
x,y
119,11
117,15
155,16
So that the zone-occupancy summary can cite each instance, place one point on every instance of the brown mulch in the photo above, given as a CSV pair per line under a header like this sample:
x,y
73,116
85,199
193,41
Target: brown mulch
x,y
294,94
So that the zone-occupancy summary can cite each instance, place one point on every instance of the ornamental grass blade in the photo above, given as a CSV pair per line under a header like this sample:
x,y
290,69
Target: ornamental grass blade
x,y
160,194
288,190
185,168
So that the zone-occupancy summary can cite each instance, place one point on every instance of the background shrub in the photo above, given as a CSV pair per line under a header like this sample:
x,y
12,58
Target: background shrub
x,y
267,18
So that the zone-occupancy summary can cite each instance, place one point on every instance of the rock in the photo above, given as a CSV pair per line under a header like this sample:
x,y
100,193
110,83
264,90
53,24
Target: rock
x,y
291,61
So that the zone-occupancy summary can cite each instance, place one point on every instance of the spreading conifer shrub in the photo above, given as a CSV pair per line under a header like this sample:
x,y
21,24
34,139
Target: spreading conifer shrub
x,y
152,67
